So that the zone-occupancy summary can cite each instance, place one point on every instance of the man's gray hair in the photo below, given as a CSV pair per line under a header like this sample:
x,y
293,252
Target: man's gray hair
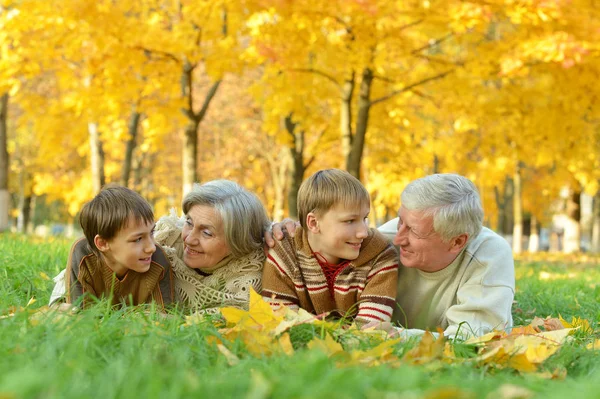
x,y
451,199
243,215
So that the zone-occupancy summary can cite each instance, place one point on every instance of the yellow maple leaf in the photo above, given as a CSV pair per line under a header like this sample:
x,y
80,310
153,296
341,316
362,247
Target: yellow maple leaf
x,y
259,314
428,349
577,322
594,345
382,353
485,338
328,345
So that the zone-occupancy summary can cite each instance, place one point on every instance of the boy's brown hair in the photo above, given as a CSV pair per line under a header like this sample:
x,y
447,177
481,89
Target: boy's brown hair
x,y
328,188
110,211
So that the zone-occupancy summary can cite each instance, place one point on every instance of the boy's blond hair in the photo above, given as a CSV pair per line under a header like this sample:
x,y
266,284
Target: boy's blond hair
x,y
328,188
110,211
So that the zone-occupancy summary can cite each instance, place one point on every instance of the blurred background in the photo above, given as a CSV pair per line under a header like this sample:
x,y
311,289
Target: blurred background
x,y
159,94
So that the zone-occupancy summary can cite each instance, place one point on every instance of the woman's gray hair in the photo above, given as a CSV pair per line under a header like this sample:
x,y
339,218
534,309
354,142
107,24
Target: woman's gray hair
x,y
243,215
451,199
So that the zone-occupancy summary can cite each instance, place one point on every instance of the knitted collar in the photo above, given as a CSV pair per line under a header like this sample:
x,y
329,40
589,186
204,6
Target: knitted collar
x,y
211,269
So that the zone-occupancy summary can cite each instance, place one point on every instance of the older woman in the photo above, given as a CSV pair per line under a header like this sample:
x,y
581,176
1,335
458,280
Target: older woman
x,y
216,248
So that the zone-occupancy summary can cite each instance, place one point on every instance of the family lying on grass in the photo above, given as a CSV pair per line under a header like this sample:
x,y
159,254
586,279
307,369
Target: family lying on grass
x,y
452,273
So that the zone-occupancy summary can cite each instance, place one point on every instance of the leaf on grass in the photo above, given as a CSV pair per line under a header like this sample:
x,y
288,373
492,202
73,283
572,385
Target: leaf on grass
x,y
524,330
232,359
549,323
259,314
577,322
429,349
448,393
45,276
559,373
328,345
485,338
260,387
511,391
594,345
382,353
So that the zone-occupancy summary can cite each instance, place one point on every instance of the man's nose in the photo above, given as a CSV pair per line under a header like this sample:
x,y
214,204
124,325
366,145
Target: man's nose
x,y
401,235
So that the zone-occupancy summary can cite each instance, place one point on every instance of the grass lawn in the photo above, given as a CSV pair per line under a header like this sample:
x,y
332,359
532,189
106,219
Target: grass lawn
x,y
127,353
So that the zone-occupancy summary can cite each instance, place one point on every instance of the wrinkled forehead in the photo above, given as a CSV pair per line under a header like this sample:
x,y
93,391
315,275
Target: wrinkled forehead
x,y
415,216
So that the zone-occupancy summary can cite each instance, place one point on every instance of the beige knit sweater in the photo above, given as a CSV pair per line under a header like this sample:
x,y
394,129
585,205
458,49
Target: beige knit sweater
x,y
228,284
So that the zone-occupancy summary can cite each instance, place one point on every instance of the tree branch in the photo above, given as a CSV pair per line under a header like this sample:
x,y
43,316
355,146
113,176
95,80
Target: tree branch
x,y
409,87
317,72
164,54
433,43
209,96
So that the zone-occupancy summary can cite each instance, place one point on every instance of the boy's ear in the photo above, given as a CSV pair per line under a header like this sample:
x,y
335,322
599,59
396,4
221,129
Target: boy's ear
x,y
101,243
312,223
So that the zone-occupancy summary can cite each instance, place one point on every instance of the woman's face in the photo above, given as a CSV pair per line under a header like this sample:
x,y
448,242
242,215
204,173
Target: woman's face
x,y
203,238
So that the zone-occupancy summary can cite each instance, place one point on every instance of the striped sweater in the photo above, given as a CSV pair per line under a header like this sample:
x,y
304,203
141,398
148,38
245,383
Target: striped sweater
x,y
365,289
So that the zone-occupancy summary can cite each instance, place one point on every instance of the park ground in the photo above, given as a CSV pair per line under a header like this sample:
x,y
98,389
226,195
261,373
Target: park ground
x,y
126,353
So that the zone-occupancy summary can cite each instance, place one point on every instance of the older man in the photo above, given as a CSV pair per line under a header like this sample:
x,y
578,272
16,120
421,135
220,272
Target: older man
x,y
455,273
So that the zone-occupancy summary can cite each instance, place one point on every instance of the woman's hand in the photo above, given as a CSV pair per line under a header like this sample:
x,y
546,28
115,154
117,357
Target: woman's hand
x,y
276,231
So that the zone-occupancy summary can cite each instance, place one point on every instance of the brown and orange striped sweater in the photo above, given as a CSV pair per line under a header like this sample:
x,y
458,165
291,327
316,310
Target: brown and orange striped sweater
x,y
365,288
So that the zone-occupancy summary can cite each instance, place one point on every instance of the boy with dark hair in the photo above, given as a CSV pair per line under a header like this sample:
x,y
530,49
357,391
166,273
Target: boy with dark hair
x,y
118,257
335,263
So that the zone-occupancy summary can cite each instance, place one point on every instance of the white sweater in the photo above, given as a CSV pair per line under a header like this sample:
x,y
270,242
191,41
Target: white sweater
x,y
477,288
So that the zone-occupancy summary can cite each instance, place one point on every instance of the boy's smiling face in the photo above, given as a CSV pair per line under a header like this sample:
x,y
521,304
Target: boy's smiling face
x,y
338,233
130,249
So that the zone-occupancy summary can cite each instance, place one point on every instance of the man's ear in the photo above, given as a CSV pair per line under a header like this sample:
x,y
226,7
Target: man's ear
x,y
312,223
101,243
458,243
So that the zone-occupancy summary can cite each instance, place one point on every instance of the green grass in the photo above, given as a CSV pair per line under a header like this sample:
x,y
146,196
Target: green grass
x,y
127,353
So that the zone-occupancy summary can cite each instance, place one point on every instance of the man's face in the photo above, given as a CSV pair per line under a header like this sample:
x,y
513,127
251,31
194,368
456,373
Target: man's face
x,y
420,246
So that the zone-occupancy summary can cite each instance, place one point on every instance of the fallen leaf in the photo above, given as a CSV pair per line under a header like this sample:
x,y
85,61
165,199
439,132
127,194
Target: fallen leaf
x,y
232,359
328,345
510,391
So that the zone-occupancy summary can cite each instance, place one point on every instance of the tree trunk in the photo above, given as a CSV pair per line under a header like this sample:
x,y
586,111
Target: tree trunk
x,y
595,244
346,116
534,236
504,203
97,158
280,173
517,243
4,164
297,168
134,122
189,156
572,237
354,159
24,201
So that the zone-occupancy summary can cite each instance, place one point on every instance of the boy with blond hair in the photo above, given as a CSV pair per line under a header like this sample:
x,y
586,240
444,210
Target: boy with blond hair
x,y
118,257
334,263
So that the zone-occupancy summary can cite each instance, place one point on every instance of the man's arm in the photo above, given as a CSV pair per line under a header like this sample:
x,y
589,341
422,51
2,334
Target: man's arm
x,y
484,301
480,309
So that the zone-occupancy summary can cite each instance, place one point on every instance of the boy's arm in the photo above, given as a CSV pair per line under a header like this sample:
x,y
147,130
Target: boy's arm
x,y
166,283
74,289
379,296
277,286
